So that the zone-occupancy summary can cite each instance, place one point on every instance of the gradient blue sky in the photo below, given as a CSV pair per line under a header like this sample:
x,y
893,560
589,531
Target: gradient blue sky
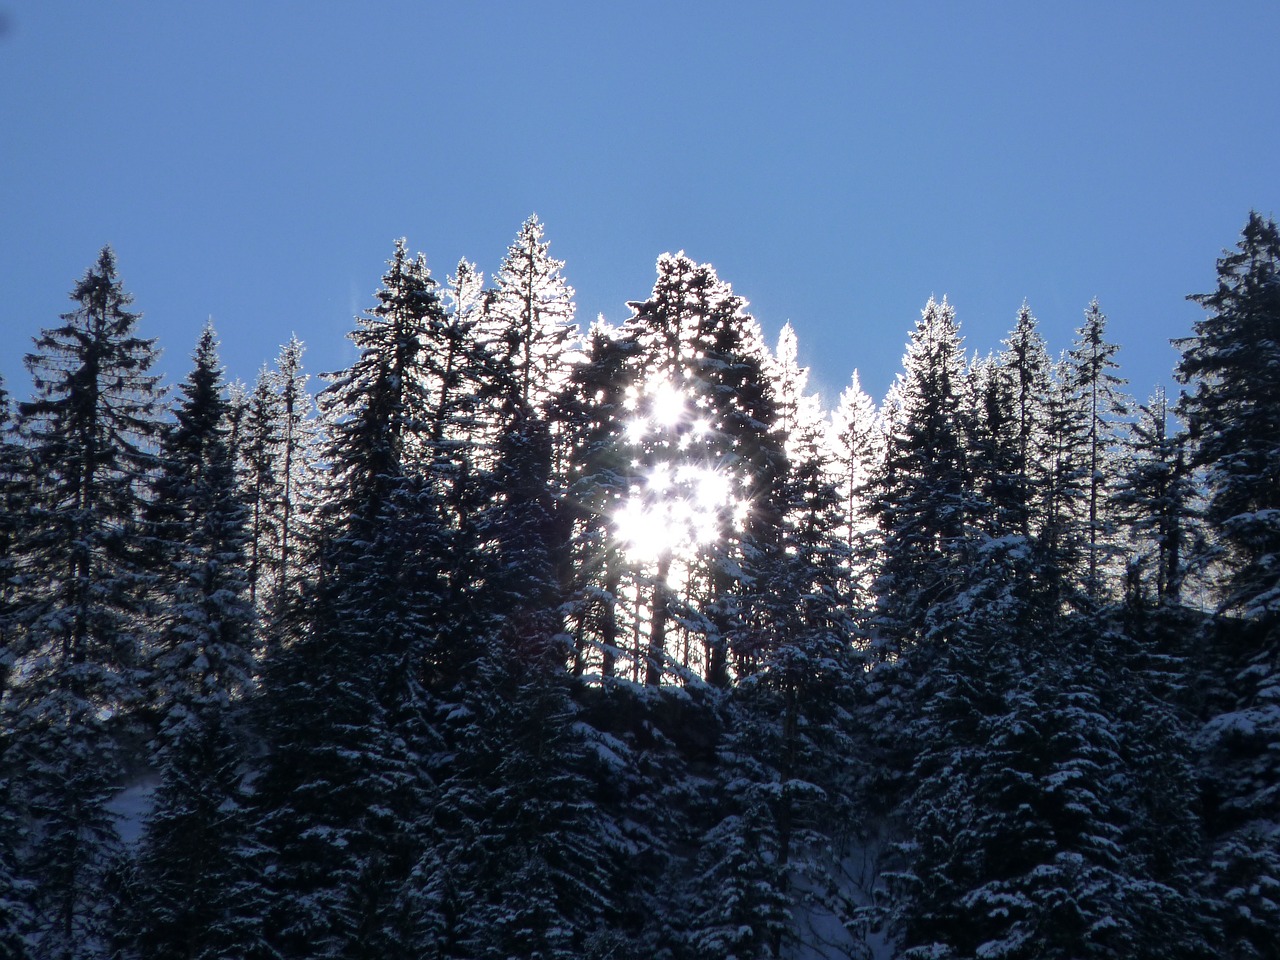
x,y
837,162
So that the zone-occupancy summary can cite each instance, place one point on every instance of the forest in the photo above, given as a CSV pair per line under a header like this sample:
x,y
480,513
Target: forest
x,y
515,640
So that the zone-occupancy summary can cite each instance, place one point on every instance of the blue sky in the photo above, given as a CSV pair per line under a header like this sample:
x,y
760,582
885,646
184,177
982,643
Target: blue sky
x,y
838,163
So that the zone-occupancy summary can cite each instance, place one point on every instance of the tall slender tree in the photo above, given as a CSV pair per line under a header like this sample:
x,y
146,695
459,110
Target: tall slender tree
x,y
16,919
349,721
1232,365
193,880
921,498
1100,393
80,599
530,317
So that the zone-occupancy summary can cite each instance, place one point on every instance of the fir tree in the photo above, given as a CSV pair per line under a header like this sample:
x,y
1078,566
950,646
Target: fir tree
x,y
1232,362
530,318
595,418
192,878
78,604
856,443
921,498
704,418
263,490
15,914
1099,392
1028,372
349,719
1155,494
293,433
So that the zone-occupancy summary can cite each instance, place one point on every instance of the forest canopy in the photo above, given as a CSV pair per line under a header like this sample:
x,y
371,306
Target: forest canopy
x,y
515,639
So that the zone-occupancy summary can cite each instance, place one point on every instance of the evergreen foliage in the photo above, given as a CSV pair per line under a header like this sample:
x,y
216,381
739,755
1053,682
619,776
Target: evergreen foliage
x,y
80,596
1233,415
191,869
535,644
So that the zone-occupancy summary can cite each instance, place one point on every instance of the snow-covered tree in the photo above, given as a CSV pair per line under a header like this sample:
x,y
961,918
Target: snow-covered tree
x,y
192,875
529,316
348,714
709,458
921,497
856,444
15,476
294,440
1155,495
80,599
1232,365
1100,393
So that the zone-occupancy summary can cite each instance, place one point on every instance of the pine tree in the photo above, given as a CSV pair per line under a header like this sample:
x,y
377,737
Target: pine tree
x,y
1039,828
16,920
1062,504
530,318
1155,494
1026,367
703,429
348,713
856,443
294,433
529,860
1099,391
1232,362
738,901
78,603
263,490
594,416
192,879
921,498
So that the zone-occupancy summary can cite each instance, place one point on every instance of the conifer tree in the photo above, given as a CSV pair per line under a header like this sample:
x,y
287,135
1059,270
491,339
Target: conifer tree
x,y
594,409
1100,394
15,914
294,432
1232,365
530,319
1062,534
921,499
348,713
192,878
704,418
1035,813
856,442
259,450
1026,367
79,602
1155,495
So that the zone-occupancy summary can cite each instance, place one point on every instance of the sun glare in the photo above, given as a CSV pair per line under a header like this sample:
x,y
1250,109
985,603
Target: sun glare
x,y
679,506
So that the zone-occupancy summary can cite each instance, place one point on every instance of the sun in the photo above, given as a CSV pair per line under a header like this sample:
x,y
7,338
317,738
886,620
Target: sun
x,y
680,504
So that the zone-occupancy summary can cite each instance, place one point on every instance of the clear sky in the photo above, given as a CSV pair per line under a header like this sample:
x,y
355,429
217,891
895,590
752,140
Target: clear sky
x,y
837,162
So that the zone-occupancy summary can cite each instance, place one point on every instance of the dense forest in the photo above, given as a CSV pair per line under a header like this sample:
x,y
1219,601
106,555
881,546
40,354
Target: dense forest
x,y
512,640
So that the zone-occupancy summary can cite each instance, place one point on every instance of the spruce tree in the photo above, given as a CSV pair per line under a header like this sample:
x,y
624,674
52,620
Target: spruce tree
x,y
193,880
594,414
1155,496
79,600
703,431
1232,365
259,450
856,442
1028,371
530,319
1040,826
348,714
921,498
15,475
293,445
1099,392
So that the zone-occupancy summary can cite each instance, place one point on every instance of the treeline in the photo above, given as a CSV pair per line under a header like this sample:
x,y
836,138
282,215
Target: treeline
x,y
523,642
